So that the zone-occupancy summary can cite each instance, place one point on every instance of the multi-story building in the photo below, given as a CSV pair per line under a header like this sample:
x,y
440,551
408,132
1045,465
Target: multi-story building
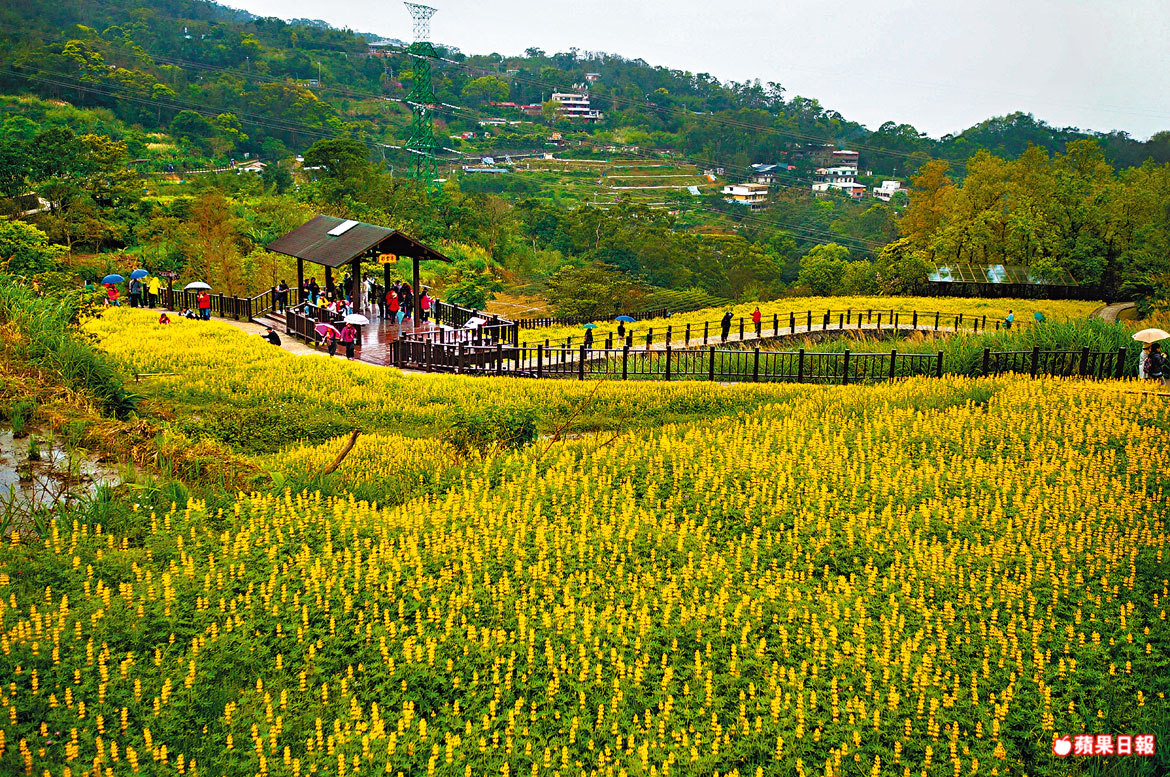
x,y
842,179
575,106
753,195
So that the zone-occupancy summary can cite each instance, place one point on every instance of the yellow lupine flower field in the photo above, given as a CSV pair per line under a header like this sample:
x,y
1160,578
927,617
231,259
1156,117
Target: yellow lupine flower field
x,y
932,577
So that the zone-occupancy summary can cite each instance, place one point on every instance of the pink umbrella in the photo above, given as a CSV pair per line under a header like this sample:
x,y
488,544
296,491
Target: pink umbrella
x,y
323,329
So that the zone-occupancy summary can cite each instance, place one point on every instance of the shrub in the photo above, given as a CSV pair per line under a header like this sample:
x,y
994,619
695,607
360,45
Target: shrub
x,y
498,428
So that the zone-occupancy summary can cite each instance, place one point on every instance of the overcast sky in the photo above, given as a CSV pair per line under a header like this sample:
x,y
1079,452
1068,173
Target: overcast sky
x,y
941,66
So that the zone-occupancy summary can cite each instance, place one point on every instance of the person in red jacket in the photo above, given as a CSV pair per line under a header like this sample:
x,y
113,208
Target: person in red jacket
x,y
203,301
757,317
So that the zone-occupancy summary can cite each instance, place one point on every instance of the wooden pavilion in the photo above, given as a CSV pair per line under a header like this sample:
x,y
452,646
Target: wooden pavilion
x,y
335,243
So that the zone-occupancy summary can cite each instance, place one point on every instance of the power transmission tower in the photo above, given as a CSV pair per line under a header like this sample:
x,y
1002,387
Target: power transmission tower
x,y
422,144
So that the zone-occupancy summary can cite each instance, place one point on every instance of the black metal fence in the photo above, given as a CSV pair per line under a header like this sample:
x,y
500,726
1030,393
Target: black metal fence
x,y
734,366
776,325
537,323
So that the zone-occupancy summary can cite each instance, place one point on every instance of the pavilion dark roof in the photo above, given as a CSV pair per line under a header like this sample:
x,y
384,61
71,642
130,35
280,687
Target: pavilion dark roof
x,y
312,242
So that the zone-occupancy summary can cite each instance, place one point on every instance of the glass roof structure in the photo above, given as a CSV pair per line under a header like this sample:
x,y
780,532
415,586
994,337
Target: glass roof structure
x,y
995,273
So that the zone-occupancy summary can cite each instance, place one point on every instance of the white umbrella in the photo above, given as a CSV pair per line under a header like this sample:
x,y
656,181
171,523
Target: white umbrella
x,y
474,321
197,286
1151,335
356,318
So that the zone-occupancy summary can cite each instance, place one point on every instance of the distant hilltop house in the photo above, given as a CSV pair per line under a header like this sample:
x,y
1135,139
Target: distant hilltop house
x,y
256,167
753,195
591,77
843,179
575,107
888,189
384,48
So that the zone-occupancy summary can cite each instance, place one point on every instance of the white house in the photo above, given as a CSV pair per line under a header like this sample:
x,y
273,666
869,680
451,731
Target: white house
x,y
888,189
840,178
753,195
574,106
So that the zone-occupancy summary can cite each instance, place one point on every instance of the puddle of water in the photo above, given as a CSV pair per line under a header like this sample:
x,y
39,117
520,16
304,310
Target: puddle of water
x,y
53,477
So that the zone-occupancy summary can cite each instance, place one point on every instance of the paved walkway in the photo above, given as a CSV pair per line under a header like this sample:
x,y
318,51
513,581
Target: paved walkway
x,y
1111,312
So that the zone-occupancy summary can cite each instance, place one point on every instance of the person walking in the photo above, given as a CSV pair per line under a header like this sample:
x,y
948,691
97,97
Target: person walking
x,y
153,287
112,296
135,293
1143,357
331,342
757,318
621,330
1156,364
281,300
349,338
588,338
424,303
203,301
406,304
725,325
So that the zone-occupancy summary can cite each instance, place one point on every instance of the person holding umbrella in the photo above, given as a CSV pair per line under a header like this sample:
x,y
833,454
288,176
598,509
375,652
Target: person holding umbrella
x,y
589,335
1150,337
1156,364
135,291
203,302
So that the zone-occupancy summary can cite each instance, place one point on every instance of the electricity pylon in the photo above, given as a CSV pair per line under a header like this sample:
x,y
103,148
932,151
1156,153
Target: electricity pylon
x,y
422,144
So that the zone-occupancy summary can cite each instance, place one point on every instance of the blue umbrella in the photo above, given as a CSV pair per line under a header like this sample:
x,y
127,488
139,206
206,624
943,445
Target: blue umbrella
x,y
590,326
112,278
626,319
139,273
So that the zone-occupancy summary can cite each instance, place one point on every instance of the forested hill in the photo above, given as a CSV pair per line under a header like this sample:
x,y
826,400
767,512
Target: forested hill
x,y
254,82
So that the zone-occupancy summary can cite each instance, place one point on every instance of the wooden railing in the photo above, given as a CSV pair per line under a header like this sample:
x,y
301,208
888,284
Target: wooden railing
x,y
228,306
740,365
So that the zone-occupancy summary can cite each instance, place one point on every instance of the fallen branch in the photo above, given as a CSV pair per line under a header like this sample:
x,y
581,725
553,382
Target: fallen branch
x,y
344,452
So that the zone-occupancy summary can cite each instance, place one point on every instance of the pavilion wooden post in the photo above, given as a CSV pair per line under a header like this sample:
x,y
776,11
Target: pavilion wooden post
x,y
300,279
385,282
328,279
355,280
417,313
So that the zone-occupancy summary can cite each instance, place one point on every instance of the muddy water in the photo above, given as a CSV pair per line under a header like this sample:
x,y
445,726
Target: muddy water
x,y
46,481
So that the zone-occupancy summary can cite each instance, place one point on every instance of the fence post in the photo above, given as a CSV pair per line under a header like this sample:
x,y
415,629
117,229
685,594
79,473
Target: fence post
x,y
841,321
668,330
1083,367
427,354
845,370
791,323
649,337
756,367
1119,372
668,361
809,326
1035,359
688,335
893,363
984,325
775,324
879,326
825,321
986,361
800,367
896,317
221,304
711,366
849,316
938,366
540,361
500,357
705,325
398,352
581,364
741,329
914,323
936,322
461,363
625,359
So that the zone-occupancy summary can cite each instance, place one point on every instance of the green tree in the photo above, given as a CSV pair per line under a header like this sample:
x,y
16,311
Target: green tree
x,y
486,88
25,250
823,267
594,291
341,159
